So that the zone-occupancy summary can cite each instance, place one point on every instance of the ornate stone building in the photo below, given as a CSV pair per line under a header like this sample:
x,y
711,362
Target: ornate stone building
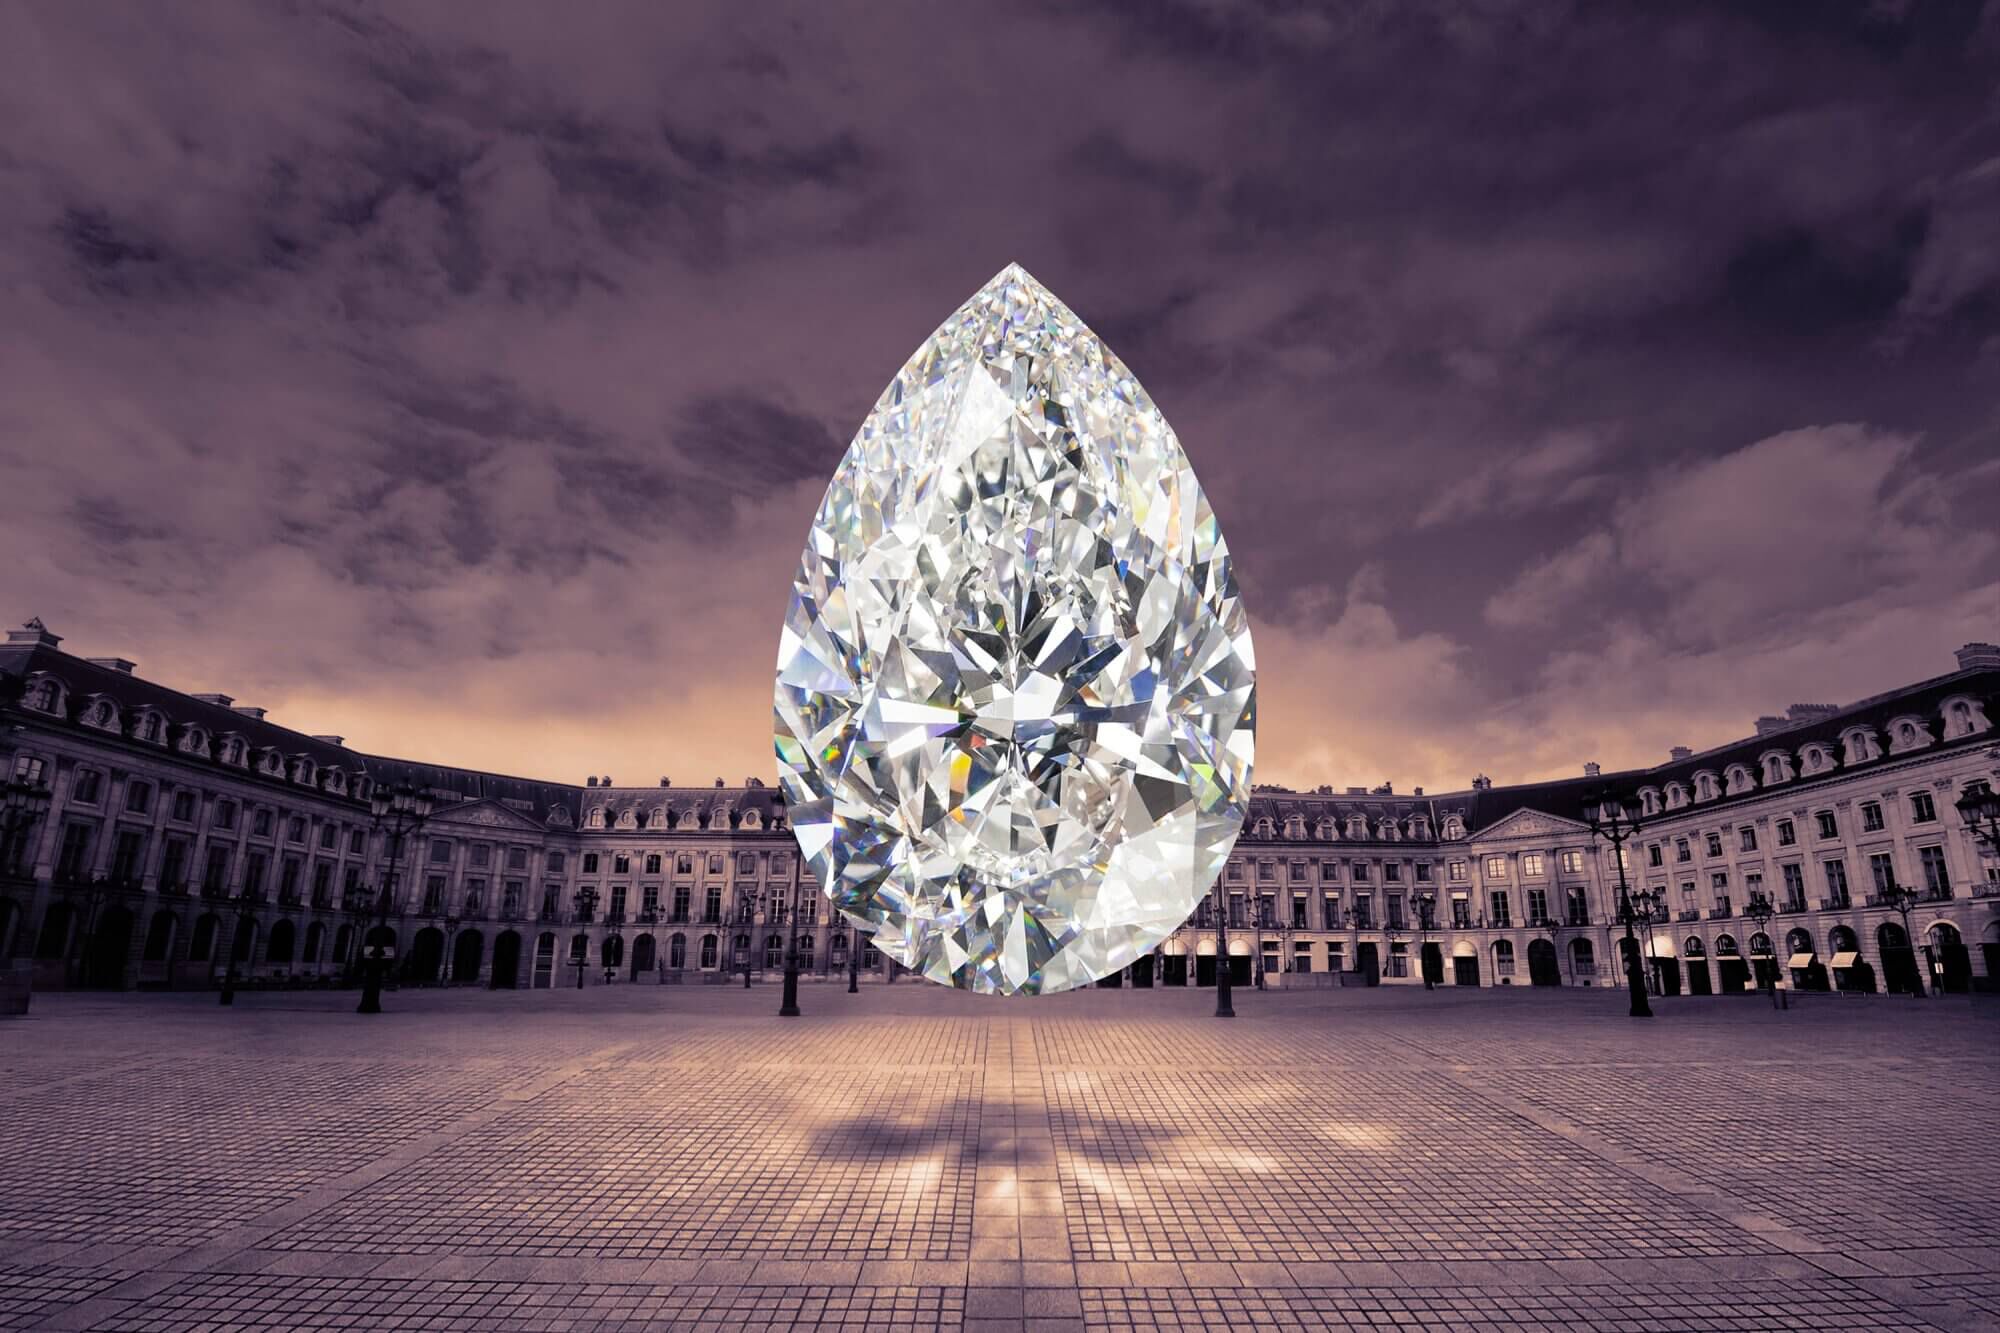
x,y
188,835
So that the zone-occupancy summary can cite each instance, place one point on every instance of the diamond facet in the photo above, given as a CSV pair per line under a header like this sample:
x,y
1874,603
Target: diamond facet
x,y
1015,693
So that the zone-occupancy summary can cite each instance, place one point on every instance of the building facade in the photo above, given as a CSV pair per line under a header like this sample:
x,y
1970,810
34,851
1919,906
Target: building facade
x,y
188,837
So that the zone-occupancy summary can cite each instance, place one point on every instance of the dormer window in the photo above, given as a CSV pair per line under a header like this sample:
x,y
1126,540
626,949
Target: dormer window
x,y
47,696
628,818
194,741
1706,787
750,819
1262,828
1677,796
364,786
1388,830
1858,746
304,771
1295,826
1357,826
1737,781
1777,767
595,819
1454,827
103,714
151,728
1649,800
1324,829
1963,717
335,781
1815,758
660,818
1908,733
273,764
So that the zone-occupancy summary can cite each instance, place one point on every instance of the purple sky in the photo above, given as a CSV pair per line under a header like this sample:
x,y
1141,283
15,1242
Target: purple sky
x,y
1570,380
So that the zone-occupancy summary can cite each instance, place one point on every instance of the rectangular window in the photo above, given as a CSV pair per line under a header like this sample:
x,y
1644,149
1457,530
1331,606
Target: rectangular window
x,y
649,902
621,863
711,909
1653,857
1922,809
1747,838
1497,901
551,896
434,895
475,896
184,807
1579,908
1396,911
1329,870
1882,872
715,863
1461,911
510,898
288,880
1871,817
322,883
1235,870
139,798
1572,863
1538,906
1688,904
618,902
350,886
1786,836
683,864
1836,882
440,852
1496,867
89,783
1531,863
357,842
680,902
260,824
1682,852
253,875
1753,886
1828,828
126,856
173,864
295,830
1364,911
329,834
1937,880
1795,888
1360,872
1715,844
216,874
1331,907
1298,911
1298,870
517,858
482,854
1456,870
1267,870
590,863
746,864
557,860
29,769
1399,960
1423,872
652,863
1392,873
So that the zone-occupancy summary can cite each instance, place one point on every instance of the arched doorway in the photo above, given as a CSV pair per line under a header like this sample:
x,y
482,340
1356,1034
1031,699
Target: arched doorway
x,y
468,951
283,936
1803,962
1142,972
1464,964
1951,963
1850,972
1239,962
1899,961
10,921
1763,962
1503,961
1666,965
677,952
1731,972
1582,958
52,941
315,945
506,961
426,957
1695,954
1173,963
805,947
1433,963
1368,962
1204,963
644,956
245,947
611,952
545,960
160,937
1543,969
709,953
110,944
774,952
343,944
201,945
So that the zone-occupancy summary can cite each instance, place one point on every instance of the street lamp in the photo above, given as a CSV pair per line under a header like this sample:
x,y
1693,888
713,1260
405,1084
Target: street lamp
x,y
1980,809
1616,821
402,810
1650,906
1426,905
586,910
1225,1007
1760,911
789,1007
22,804
1901,898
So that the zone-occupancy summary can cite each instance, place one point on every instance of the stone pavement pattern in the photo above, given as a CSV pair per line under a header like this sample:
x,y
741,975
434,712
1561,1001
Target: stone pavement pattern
x,y
915,1159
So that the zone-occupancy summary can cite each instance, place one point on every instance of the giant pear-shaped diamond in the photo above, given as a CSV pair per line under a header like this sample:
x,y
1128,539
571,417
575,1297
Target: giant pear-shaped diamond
x,y
1015,694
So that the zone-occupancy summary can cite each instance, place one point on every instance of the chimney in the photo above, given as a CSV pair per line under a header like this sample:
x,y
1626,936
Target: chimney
x,y
1418,792
339,742
1680,752
1385,789
590,781
666,782
122,665
1768,725
604,781
1800,713
1979,657
34,634
219,700
1591,770
248,711
1482,783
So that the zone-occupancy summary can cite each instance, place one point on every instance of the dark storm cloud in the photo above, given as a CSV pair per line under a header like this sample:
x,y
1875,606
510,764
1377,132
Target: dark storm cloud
x,y
1569,379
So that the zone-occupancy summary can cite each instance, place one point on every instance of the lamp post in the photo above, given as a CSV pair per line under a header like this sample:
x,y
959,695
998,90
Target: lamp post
x,y
1617,821
1900,898
1225,1007
1426,905
586,911
402,810
1548,923
1760,911
789,1006
1650,903
1980,809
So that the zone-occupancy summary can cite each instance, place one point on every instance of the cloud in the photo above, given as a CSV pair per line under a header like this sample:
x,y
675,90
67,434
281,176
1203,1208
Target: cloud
x,y
1552,472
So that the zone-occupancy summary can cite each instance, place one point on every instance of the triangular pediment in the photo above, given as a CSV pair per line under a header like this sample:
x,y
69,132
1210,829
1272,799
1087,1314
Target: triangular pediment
x,y
1525,823
487,813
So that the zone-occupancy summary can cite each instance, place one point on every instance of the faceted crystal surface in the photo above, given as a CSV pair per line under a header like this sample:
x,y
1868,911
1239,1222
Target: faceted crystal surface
x,y
1015,692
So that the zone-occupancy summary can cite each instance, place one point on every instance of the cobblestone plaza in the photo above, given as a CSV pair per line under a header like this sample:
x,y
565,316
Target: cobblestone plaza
x,y
910,1158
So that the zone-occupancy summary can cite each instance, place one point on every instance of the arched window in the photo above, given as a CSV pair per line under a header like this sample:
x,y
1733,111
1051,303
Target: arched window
x,y
1677,796
1777,767
1582,958
1908,733
1694,948
677,951
595,819
1738,781
1706,787
1324,830
774,951
708,947
152,727
1388,830
1798,941
1262,829
1815,758
1503,958
1964,716
805,948
1454,827
1420,826
1725,946
1649,801
48,696
1858,746
1842,940
103,715
1760,945
1357,826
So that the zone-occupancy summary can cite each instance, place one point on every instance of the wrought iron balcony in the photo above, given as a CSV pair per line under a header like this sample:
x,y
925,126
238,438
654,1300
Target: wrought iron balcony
x,y
1689,914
